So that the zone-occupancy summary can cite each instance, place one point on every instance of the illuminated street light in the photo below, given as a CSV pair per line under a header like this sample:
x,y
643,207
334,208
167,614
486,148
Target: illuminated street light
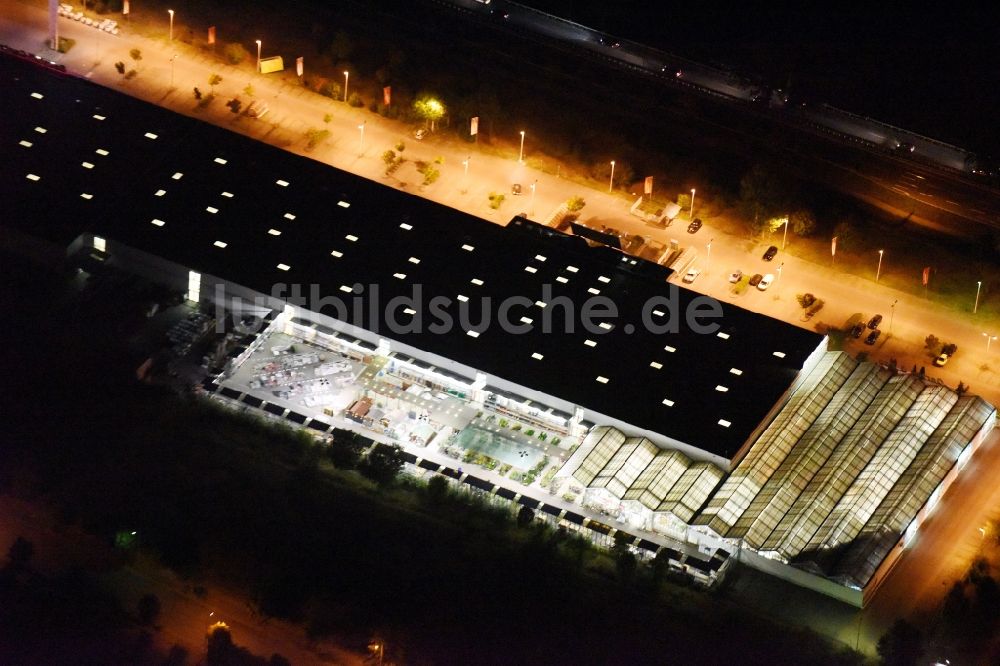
x,y
347,76
784,237
878,271
171,12
531,208
362,128
465,163
611,183
691,213
172,58
258,56
989,339
979,285
520,155
892,312
780,266
708,254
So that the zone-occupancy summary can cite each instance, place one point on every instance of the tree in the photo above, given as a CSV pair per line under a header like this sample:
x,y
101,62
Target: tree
x,y
249,91
762,197
234,53
802,222
120,66
575,204
330,89
429,108
221,650
437,489
389,157
20,553
135,54
235,104
901,645
345,449
213,81
383,464
149,609
341,47
525,516
197,94
844,232
933,345
625,562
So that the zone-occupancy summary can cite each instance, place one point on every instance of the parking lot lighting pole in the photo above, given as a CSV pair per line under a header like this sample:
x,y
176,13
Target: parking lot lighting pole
x,y
708,254
892,312
520,155
989,339
979,285
258,56
172,58
780,266
611,183
171,12
784,237
362,128
878,271
347,77
465,163
532,207
691,213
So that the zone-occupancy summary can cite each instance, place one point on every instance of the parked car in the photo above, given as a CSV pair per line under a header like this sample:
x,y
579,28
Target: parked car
x,y
874,322
419,134
515,189
692,274
770,253
858,329
755,280
872,337
765,282
735,276
941,360
694,226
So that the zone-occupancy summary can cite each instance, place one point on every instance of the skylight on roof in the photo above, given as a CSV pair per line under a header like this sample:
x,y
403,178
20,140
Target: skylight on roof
x,y
593,291
351,237
177,176
274,232
540,257
670,349
37,95
84,195
562,279
602,380
463,298
87,165
526,320
347,290
98,116
531,269
655,365
603,279
405,226
736,371
283,267
158,223
724,423
282,183
537,356
289,216
590,343
720,388
41,130
102,152
409,311
477,282
159,193
606,326
228,195
343,204
724,336
337,253
212,209
26,144
780,354
472,334
468,248
221,244
413,260
572,269
658,313
540,304
668,402
150,135
32,176
399,276
219,160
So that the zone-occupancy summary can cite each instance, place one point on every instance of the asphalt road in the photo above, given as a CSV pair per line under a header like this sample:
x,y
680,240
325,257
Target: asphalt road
x,y
294,110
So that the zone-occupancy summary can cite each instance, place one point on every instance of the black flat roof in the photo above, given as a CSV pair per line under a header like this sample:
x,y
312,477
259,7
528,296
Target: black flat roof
x,y
230,393
80,158
429,464
252,400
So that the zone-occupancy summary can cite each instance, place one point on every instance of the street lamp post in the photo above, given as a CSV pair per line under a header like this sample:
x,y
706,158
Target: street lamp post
x,y
347,78
532,207
979,285
520,155
691,212
465,163
780,266
172,58
878,271
784,237
611,183
989,339
258,56
892,313
171,12
362,128
708,254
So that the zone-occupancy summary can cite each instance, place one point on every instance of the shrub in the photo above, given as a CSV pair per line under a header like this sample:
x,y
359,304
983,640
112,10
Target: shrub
x,y
120,66
575,204
234,53
400,146
327,118
130,74
373,106
235,104
495,200
355,100
315,136
330,89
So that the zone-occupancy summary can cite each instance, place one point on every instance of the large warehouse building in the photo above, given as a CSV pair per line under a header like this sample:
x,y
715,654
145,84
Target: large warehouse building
x,y
748,435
